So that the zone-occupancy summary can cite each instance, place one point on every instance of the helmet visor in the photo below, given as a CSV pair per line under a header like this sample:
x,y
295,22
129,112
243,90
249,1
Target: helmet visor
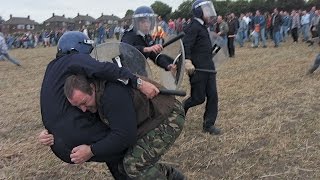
x,y
207,9
144,23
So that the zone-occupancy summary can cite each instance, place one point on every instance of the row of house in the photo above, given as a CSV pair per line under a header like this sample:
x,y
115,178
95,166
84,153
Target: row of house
x,y
55,22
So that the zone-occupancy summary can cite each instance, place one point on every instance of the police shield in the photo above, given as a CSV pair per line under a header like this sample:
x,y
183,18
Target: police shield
x,y
127,56
219,49
124,55
175,50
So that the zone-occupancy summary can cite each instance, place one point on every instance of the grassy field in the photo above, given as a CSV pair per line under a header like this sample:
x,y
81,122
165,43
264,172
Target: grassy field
x,y
268,110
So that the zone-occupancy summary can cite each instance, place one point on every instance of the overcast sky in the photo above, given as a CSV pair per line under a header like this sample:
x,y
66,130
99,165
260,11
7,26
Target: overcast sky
x,y
41,10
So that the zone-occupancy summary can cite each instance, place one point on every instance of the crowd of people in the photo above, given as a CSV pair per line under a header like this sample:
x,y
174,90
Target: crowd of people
x,y
254,27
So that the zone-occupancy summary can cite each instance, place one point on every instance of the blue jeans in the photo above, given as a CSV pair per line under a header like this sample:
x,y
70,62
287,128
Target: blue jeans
x,y
100,39
14,61
283,33
240,38
276,38
261,34
305,31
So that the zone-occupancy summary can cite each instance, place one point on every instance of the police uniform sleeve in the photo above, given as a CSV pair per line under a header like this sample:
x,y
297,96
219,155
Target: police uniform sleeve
x,y
130,37
189,39
119,110
163,61
86,65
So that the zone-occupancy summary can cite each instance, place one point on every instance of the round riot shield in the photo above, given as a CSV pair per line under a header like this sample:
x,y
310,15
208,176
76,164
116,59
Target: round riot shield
x,y
219,49
124,55
175,50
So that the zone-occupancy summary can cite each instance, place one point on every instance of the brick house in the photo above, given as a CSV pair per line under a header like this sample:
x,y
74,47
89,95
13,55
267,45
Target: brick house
x,y
19,24
81,20
108,19
58,22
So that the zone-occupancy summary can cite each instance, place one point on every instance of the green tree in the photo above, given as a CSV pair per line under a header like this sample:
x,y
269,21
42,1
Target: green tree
x,y
238,7
313,3
288,5
222,7
257,5
129,12
161,9
183,11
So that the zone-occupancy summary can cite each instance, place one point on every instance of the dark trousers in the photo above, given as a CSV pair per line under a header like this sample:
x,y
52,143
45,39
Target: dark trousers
x,y
203,85
294,33
231,47
114,170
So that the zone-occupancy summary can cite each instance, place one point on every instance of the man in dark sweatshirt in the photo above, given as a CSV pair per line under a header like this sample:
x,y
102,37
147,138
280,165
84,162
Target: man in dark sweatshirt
x,y
146,130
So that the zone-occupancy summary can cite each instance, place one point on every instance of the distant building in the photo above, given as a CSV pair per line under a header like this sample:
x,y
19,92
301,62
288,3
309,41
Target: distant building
x,y
126,21
107,19
81,20
19,24
59,22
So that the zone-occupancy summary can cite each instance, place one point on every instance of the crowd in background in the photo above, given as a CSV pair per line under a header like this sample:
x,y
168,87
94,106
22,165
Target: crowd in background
x,y
256,28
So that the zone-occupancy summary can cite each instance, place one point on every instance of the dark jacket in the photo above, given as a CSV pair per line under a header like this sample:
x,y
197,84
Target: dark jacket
x,y
129,114
197,45
140,42
69,125
276,22
233,26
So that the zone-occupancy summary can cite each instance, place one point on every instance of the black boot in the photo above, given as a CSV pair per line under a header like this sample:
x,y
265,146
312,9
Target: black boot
x,y
172,173
212,130
184,107
311,70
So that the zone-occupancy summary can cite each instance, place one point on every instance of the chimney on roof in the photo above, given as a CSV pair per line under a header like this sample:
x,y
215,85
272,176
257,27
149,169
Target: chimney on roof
x,y
78,14
63,15
52,14
101,14
87,14
10,16
28,16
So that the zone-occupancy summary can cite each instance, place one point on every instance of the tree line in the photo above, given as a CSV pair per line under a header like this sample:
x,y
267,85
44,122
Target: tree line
x,y
228,6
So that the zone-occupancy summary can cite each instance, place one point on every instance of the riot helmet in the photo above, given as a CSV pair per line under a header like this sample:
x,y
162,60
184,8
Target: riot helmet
x,y
204,10
74,41
144,20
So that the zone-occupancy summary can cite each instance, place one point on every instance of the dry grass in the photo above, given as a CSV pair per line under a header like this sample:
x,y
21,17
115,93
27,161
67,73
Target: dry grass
x,y
268,113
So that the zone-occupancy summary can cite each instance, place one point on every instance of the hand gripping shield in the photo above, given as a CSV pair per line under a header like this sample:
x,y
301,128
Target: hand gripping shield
x,y
127,56
219,49
174,49
124,55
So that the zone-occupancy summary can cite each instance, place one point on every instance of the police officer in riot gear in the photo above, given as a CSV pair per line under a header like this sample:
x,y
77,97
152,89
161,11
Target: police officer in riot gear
x,y
139,36
59,117
198,54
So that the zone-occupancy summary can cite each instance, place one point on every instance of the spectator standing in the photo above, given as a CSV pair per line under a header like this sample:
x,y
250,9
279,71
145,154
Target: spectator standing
x,y
276,24
233,28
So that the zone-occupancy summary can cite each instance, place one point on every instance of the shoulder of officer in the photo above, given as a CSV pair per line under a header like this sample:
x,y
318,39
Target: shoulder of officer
x,y
130,29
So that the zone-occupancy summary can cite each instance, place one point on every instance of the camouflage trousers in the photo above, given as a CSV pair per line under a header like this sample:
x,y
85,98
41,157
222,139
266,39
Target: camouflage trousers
x,y
141,161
